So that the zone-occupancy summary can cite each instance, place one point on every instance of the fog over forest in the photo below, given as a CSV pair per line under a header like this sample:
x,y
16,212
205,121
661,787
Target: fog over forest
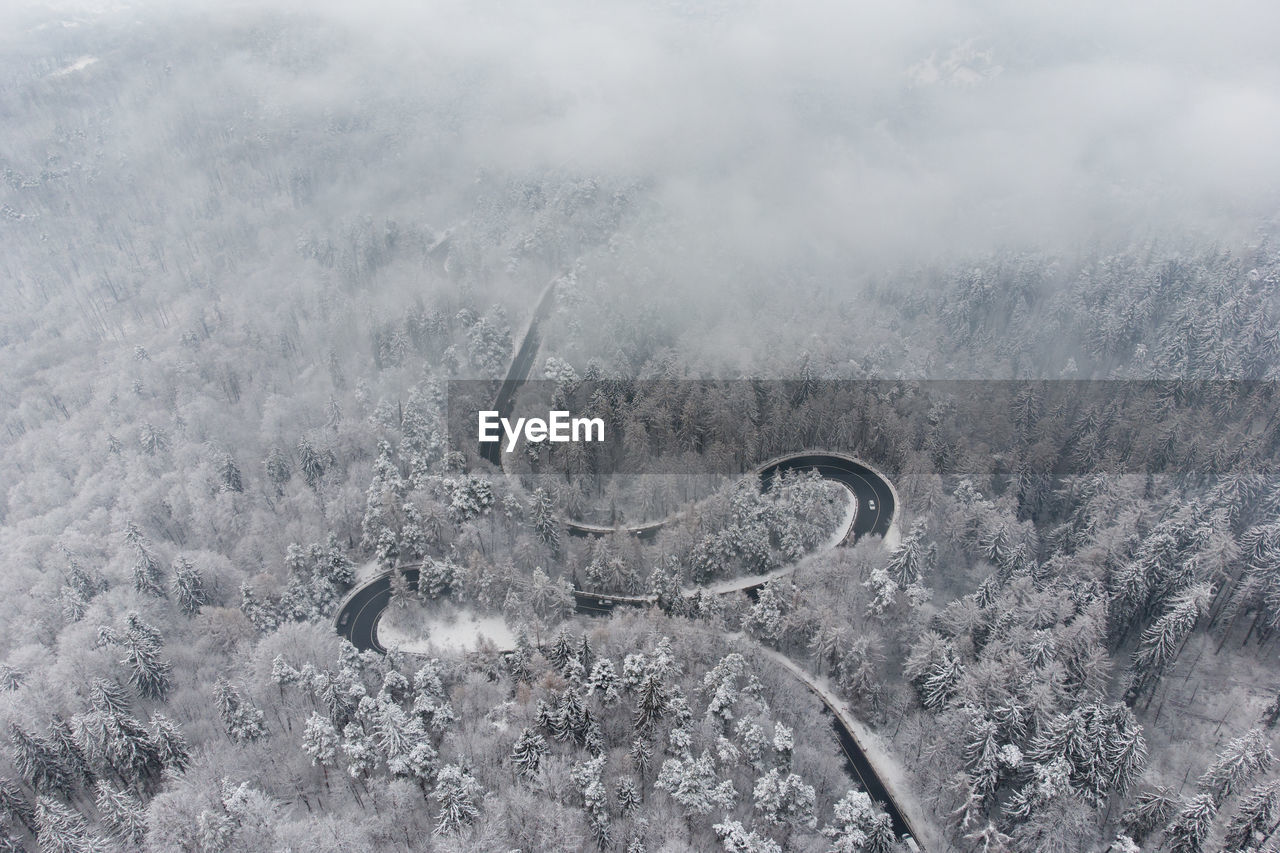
x,y
259,260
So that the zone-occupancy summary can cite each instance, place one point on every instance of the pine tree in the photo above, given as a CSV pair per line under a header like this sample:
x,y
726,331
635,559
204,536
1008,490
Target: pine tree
x,y
415,535
641,755
651,704
989,839
384,497
550,600
1125,751
930,655
628,796
418,762
122,812
62,830
1272,714
147,571
401,594
429,699
68,752
456,792
1121,844
242,719
520,661
593,737
229,473
79,589
1150,810
152,439
860,826
543,518
311,462
437,578
1256,817
107,697
283,674
736,838
1240,760
332,565
320,740
754,743
262,614
783,743
721,684
36,761
359,750
128,748
1047,782
400,740
188,587
150,673
909,562
664,586
785,800
1190,828
604,681
1101,745
10,841
587,776
171,746
472,497
279,469
15,805
561,649
571,715
827,640
527,753
693,785
981,751
940,682
1161,642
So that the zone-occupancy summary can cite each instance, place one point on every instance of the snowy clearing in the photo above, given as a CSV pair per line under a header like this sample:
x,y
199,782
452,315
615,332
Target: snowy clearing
x,y
453,630
366,572
79,65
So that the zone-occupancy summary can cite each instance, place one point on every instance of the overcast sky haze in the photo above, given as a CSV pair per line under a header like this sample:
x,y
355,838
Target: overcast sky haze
x,y
896,128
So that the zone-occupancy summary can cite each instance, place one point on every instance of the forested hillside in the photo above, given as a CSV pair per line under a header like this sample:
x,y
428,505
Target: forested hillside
x,y
244,252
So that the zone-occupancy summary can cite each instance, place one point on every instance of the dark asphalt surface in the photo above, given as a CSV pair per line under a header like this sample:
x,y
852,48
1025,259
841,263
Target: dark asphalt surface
x,y
875,498
358,618
521,367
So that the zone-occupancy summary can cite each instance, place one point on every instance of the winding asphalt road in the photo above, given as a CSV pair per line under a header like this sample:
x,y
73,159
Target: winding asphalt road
x,y
876,504
521,367
357,618
876,498
358,615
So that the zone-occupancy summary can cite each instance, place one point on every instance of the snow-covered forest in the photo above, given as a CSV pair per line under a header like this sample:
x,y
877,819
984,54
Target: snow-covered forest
x,y
246,248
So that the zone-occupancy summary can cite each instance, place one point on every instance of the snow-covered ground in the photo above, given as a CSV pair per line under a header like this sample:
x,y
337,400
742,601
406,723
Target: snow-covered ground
x,y
846,523
366,572
79,65
837,536
453,630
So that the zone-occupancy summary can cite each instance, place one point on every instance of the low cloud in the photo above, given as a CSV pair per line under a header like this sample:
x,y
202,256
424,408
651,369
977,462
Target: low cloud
x,y
889,129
